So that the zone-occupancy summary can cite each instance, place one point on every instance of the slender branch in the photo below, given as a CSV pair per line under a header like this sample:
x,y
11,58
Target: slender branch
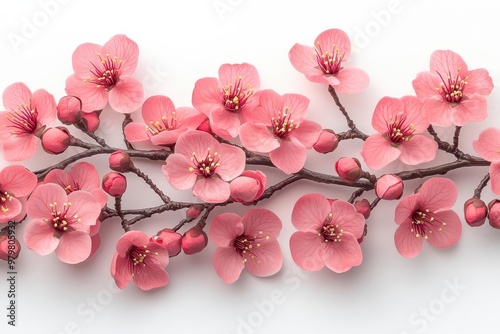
x,y
481,185
150,183
456,138
355,195
374,203
118,208
203,220
126,120
350,122
80,125
447,147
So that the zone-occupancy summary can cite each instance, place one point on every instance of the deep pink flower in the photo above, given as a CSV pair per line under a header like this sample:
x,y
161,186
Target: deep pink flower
x,y
399,123
228,100
61,222
140,259
164,123
324,63
451,93
82,176
202,163
246,242
16,183
103,74
328,234
26,116
427,215
488,148
278,127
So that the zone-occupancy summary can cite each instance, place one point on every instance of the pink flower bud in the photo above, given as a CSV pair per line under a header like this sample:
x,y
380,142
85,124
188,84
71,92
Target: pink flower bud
x,y
69,110
349,169
55,140
194,211
120,161
494,213
475,212
327,141
205,127
9,247
91,120
360,240
248,187
363,207
114,184
389,187
194,240
169,239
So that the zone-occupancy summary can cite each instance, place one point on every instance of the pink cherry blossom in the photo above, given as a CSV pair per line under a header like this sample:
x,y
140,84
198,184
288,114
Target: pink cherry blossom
x,y
26,116
488,148
61,222
140,259
16,183
82,176
229,100
328,234
324,63
452,94
103,74
278,127
202,163
399,123
426,215
246,242
164,123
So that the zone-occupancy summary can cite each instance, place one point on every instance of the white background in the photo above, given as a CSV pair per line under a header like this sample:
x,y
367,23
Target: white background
x,y
182,41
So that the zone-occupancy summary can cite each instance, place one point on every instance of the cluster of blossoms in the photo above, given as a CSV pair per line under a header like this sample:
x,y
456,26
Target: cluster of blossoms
x,y
208,149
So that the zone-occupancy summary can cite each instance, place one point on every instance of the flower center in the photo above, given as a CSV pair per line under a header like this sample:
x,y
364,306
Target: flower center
x,y
330,232
246,244
329,61
137,256
398,131
22,121
283,124
4,197
236,96
206,166
60,220
424,222
106,74
164,124
452,89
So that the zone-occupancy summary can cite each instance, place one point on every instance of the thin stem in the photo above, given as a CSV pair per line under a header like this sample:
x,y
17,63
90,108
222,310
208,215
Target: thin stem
x,y
350,122
355,195
447,147
80,125
481,185
374,203
456,138
118,208
126,120
150,183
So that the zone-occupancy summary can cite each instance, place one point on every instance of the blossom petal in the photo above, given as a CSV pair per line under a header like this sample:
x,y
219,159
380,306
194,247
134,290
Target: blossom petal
x,y
438,194
405,209
256,137
16,95
342,256
224,123
151,276
378,152
307,250
473,109
74,247
231,162
414,114
228,264
386,110
43,196
156,107
303,59
126,51
168,137
407,244
296,105
270,103
93,98
39,237
425,85
225,228
448,234
495,177
480,82
127,95
20,148
136,132
130,239
447,63
85,175
121,271
45,105
352,80
229,73
262,222
197,142
177,172
17,180
207,95
438,112
307,133
84,206
332,39
417,150
347,218
212,190
268,259
10,209
488,144
310,212
83,57
290,157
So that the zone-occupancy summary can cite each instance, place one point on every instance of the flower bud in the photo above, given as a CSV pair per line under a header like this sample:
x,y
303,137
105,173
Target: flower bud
x,y
169,239
327,141
389,187
475,212
205,127
120,161
494,213
194,211
114,184
365,230
194,240
349,169
69,110
56,140
363,207
248,187
9,247
91,120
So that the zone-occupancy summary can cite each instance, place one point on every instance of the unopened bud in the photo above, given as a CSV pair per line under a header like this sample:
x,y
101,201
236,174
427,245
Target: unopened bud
x,y
363,207
494,213
389,187
248,187
194,211
205,127
349,169
194,240
91,120
475,212
169,239
9,247
120,161
114,184
69,110
327,141
56,140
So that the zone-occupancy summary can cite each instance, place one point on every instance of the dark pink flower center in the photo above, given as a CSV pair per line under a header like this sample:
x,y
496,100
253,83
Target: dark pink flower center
x,y
23,121
236,95
398,130
245,246
70,187
137,257
4,198
106,73
283,124
329,62
330,232
451,89
61,220
164,124
205,167
425,222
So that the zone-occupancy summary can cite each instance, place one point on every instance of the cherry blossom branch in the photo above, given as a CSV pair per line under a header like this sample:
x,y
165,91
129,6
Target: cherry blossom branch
x,y
118,208
456,138
80,125
481,185
126,120
150,183
447,147
355,132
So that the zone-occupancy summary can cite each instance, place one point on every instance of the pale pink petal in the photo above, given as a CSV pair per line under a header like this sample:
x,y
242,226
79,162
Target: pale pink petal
x,y
225,228
20,217
207,95
290,157
20,148
228,264
261,222
127,95
93,98
151,276
74,247
347,218
407,244
16,95
310,212
177,172
437,194
270,103
417,150
161,257
268,259
231,161
474,109
17,180
196,142
83,57
85,175
189,118
405,209
257,137
229,73
352,80
425,85
307,133
5,125
212,190
10,209
96,242
167,137
303,59
44,195
86,207
45,105
332,39
130,239
414,114
488,144
438,112
495,177
446,63
445,235
136,132
342,256
60,177
125,50
307,250
121,270
225,123
39,237
296,105
479,82
156,107
378,152
386,110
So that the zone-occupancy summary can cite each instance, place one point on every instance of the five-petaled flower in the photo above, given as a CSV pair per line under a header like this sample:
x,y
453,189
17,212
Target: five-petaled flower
x,y
452,94
103,74
16,183
325,62
202,163
139,259
25,119
246,242
229,100
426,215
328,234
278,127
488,148
399,123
